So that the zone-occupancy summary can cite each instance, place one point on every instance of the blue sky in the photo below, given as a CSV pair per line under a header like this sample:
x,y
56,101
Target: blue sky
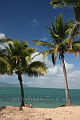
x,y
26,20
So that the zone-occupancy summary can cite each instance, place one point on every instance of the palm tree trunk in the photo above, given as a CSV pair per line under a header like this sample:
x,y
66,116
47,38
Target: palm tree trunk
x,y
68,100
22,90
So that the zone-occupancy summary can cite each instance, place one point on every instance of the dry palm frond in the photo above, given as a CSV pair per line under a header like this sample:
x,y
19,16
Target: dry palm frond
x,y
76,53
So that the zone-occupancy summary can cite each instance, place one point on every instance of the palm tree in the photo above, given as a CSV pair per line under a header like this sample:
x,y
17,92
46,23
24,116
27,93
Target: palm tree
x,y
75,4
18,56
58,33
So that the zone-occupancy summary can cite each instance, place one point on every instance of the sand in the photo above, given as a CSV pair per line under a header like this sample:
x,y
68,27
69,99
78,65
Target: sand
x,y
60,113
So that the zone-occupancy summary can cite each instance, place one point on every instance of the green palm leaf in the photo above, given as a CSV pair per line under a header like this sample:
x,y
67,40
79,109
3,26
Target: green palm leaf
x,y
38,67
43,43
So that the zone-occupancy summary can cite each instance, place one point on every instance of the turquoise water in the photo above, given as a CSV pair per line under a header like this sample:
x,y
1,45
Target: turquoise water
x,y
39,97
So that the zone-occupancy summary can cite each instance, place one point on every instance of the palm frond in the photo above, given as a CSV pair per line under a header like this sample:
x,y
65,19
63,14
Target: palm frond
x,y
43,43
53,27
68,31
76,47
27,52
28,59
75,29
73,33
38,66
10,42
43,53
53,33
53,59
4,66
55,51
64,3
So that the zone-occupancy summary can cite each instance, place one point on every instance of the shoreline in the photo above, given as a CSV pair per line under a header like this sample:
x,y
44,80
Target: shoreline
x,y
58,113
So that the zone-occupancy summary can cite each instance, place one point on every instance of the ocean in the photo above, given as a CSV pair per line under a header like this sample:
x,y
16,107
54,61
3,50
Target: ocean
x,y
39,97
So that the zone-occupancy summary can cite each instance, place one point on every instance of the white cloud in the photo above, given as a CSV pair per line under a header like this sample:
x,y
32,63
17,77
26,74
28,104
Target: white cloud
x,y
2,39
2,36
34,20
44,39
33,23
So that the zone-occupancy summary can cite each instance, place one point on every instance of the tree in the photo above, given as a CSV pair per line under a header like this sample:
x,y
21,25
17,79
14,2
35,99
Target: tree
x,y
75,4
18,56
58,33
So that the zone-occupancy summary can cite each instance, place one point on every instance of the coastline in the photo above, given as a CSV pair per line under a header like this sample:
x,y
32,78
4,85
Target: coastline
x,y
58,113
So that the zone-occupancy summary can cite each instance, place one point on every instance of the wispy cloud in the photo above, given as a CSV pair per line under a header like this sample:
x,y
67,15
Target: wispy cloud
x,y
44,38
34,20
33,23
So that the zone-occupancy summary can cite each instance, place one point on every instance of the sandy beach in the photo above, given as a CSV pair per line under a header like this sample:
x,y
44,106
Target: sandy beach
x,y
60,113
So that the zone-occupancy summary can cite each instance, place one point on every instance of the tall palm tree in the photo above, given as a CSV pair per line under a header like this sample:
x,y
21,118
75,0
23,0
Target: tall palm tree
x,y
58,33
75,4
18,56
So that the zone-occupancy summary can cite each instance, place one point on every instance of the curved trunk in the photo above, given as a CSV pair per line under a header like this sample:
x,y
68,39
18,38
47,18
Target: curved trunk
x,y
68,100
22,90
